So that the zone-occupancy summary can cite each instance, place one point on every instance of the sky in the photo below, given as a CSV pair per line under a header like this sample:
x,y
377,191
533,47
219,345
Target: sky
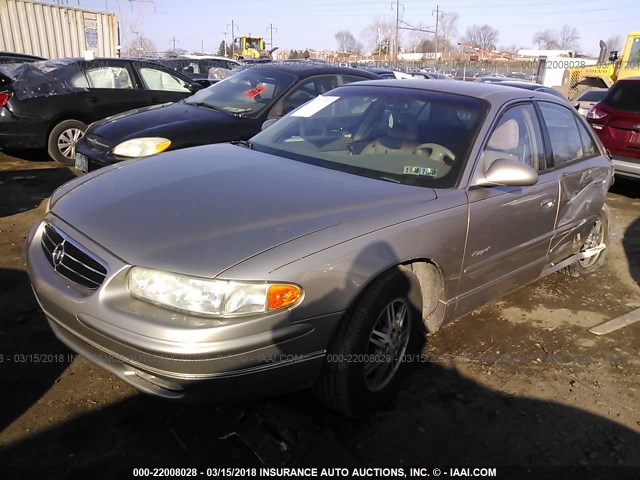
x,y
301,24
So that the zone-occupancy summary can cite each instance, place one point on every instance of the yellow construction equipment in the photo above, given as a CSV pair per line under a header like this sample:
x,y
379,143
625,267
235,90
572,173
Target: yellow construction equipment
x,y
611,66
247,47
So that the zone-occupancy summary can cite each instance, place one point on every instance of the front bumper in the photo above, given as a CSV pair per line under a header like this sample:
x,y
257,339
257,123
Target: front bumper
x,y
167,354
96,159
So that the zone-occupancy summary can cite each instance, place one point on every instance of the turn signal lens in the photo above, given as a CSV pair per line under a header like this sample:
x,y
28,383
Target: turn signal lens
x,y
282,296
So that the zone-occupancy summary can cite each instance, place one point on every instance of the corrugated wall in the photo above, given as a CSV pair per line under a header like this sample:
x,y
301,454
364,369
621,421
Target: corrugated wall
x,y
53,31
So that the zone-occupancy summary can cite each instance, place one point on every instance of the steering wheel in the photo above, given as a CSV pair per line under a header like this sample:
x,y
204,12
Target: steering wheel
x,y
437,152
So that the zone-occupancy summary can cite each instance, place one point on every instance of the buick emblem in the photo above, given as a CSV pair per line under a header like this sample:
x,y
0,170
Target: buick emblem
x,y
58,255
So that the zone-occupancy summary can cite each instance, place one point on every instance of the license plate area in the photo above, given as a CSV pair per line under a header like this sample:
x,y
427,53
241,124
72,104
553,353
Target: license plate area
x,y
82,162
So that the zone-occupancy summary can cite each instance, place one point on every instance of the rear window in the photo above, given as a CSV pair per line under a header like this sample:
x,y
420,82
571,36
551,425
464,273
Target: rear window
x,y
624,96
592,96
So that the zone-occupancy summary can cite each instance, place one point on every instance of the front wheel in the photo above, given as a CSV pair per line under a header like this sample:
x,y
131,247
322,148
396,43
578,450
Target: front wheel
x,y
367,357
597,241
63,139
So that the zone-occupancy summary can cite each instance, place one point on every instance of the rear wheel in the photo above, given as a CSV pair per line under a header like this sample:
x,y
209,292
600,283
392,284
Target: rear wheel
x,y
366,360
63,139
597,238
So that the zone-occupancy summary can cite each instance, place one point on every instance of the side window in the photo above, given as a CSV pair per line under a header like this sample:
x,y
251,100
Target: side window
x,y
351,78
563,132
108,77
517,136
155,79
588,145
79,80
308,90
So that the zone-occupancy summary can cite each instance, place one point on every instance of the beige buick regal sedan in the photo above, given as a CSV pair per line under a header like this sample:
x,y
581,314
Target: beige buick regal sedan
x,y
319,253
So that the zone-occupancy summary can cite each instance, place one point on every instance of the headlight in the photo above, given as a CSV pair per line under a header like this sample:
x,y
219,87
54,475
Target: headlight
x,y
142,147
207,297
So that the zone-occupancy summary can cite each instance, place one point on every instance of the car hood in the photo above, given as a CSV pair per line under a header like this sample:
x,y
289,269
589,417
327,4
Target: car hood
x,y
203,210
169,119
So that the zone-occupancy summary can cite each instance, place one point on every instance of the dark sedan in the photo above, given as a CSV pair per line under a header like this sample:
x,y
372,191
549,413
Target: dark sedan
x,y
49,104
231,110
12,57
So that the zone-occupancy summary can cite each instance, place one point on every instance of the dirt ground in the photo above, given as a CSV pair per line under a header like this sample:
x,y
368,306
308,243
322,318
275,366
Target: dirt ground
x,y
519,382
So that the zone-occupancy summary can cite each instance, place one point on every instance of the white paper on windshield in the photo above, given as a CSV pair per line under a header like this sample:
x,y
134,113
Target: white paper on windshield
x,y
314,106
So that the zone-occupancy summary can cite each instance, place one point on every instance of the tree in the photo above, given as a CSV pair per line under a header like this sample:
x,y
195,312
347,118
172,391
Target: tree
x,y
568,38
427,46
379,36
417,38
565,39
346,41
546,40
447,29
482,36
141,46
224,49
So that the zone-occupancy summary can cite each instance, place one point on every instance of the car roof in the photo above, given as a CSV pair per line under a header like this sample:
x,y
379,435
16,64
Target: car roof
x,y
630,79
21,55
303,70
492,92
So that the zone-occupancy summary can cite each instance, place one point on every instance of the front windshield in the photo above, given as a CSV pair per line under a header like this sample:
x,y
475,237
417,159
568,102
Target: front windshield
x,y
246,93
414,137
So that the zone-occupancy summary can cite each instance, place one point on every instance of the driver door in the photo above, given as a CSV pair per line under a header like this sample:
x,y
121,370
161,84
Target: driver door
x,y
510,228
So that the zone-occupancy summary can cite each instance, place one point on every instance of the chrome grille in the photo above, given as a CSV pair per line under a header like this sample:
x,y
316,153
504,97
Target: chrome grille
x,y
70,261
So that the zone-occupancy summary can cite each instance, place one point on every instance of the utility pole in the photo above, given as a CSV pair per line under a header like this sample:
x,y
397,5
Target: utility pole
x,y
201,45
271,28
225,43
396,49
174,44
437,10
233,37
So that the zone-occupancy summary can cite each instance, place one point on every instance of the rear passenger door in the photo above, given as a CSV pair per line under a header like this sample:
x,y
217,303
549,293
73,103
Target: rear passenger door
x,y
111,88
510,228
582,175
161,85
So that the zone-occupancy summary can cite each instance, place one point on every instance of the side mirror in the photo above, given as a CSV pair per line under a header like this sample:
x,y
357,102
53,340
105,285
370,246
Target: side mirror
x,y
507,172
204,83
195,87
268,123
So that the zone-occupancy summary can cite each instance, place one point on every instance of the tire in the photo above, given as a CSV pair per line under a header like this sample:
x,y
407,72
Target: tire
x,y
61,144
599,234
350,383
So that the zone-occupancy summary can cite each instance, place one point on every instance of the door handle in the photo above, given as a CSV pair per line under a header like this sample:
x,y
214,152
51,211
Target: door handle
x,y
548,203
94,99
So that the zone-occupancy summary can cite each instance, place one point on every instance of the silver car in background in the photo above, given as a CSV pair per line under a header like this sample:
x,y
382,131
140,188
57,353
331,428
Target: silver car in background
x,y
321,252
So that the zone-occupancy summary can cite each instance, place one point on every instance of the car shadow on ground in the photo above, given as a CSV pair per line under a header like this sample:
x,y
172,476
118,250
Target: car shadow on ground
x,y
631,244
440,417
27,188
32,357
626,186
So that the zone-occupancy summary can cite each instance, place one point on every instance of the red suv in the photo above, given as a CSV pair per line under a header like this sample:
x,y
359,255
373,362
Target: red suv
x,y
616,120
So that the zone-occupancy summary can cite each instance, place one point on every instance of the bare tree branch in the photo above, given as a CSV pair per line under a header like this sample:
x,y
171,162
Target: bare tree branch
x,y
483,36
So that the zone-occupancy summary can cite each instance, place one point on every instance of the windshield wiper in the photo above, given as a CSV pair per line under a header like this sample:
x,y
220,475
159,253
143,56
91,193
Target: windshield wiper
x,y
245,143
204,104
